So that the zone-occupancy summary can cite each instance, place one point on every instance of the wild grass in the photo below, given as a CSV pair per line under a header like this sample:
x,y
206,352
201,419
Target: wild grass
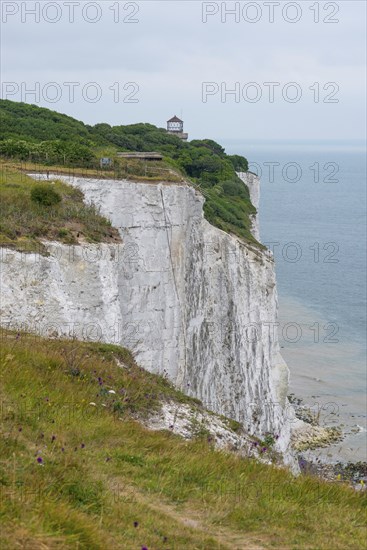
x,y
24,223
134,169
77,470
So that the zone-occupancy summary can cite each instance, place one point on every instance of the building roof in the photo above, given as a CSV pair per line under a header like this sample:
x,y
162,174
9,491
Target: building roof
x,y
140,155
175,119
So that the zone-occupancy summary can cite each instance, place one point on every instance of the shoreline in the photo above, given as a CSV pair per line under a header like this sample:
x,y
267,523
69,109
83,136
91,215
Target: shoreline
x,y
315,439
352,474
319,382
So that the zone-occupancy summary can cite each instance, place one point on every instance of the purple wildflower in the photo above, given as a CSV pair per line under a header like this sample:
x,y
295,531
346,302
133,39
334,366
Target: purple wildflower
x,y
39,460
82,445
136,523
53,438
264,449
62,448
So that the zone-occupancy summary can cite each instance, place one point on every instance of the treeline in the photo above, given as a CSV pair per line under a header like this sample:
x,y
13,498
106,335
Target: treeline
x,y
28,131
31,133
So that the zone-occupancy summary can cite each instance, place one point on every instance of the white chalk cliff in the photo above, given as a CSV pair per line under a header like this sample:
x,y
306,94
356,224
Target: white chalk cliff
x,y
253,184
193,302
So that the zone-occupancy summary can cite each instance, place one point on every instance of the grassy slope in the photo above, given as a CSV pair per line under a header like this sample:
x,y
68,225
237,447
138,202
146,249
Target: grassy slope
x,y
23,223
102,471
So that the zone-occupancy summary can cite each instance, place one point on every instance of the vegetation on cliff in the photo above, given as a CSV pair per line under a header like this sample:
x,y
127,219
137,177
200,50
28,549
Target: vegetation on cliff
x,y
77,470
37,135
31,211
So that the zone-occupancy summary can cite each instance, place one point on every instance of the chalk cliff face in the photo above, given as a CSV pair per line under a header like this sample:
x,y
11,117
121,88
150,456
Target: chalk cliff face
x,y
253,184
193,302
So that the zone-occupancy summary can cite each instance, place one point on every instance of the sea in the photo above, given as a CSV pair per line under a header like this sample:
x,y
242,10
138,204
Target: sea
x,y
313,217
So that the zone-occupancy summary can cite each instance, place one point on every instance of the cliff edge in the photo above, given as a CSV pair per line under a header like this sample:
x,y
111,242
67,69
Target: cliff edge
x,y
191,301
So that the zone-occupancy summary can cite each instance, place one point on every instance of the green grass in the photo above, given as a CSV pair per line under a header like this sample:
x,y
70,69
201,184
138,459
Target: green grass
x,y
102,471
24,223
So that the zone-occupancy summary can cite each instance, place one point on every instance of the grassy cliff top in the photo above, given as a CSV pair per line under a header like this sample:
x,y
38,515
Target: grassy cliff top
x,y
77,470
32,211
36,135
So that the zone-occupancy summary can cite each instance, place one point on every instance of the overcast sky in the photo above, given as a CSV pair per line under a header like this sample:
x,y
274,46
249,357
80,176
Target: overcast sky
x,y
172,62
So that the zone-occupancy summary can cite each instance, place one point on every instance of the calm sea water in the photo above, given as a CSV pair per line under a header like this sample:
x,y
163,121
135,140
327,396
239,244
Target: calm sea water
x,y
313,215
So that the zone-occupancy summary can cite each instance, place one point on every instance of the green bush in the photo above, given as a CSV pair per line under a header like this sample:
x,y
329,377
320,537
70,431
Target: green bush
x,y
239,163
45,195
235,188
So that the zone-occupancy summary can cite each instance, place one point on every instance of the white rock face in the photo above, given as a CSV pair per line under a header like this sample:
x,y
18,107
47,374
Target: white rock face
x,y
188,421
253,183
192,302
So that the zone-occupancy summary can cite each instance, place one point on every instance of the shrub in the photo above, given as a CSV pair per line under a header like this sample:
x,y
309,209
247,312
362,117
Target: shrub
x,y
45,195
235,188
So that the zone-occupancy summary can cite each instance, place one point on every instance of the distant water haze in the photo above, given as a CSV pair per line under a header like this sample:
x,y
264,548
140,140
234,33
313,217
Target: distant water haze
x,y
313,215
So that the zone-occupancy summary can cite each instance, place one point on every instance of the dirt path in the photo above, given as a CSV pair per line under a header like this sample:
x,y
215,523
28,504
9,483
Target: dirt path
x,y
198,521
225,538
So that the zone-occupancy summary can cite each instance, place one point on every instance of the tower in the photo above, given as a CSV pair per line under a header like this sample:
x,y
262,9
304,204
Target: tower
x,y
175,127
